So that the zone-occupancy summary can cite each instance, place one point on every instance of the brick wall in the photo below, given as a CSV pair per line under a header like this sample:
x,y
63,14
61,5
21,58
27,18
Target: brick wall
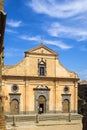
x,y
1,4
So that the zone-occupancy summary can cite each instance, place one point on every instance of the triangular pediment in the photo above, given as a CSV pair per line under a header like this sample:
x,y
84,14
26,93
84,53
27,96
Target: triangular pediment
x,y
42,87
42,50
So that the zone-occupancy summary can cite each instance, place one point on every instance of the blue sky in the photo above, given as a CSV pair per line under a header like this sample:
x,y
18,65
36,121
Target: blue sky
x,y
60,24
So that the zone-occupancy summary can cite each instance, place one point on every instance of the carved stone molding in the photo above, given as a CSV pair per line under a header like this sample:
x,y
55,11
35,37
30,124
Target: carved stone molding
x,y
41,91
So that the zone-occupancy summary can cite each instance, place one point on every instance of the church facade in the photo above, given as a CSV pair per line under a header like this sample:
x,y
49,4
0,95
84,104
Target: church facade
x,y
39,84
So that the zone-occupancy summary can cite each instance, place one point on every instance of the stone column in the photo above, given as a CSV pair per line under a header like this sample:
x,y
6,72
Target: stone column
x,y
75,98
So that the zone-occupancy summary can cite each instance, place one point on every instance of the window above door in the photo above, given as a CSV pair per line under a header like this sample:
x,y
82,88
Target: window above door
x,y
42,68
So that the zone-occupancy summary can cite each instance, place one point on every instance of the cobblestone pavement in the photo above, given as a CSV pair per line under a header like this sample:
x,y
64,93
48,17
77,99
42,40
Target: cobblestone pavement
x,y
46,125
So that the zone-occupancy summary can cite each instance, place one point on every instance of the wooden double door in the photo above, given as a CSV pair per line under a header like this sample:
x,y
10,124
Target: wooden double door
x,y
14,107
66,106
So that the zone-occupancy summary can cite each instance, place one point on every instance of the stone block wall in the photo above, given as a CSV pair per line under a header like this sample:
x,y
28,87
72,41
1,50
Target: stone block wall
x,y
1,4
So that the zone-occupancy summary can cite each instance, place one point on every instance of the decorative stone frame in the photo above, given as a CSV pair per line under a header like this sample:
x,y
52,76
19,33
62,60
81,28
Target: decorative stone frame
x,y
66,97
41,92
66,89
41,63
14,90
15,96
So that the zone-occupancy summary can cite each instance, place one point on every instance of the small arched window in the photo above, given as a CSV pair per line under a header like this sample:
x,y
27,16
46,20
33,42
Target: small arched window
x,y
42,68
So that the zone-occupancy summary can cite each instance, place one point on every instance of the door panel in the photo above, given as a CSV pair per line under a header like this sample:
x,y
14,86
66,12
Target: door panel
x,y
14,107
66,106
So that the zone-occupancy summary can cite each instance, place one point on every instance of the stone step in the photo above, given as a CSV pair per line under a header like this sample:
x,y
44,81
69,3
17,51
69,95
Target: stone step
x,y
42,117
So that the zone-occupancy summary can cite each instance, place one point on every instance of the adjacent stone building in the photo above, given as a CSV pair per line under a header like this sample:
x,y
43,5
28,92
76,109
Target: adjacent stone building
x,y
2,29
39,83
82,93
1,4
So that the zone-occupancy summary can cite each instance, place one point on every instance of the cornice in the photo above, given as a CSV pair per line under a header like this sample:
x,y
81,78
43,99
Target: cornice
x,y
41,54
39,78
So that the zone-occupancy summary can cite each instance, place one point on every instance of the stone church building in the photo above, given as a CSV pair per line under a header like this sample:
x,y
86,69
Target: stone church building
x,y
39,83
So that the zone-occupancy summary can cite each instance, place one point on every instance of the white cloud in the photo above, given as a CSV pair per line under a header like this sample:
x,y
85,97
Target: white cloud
x,y
58,30
37,38
73,12
59,44
10,31
13,52
13,23
54,8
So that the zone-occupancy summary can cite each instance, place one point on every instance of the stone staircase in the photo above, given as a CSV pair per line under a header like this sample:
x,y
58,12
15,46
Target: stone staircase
x,y
2,121
43,117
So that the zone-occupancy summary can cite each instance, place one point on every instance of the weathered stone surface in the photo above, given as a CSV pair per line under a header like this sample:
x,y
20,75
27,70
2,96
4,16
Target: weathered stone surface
x,y
1,4
30,84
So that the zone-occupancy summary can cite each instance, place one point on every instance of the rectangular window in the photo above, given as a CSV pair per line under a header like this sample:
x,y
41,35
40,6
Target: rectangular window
x,y
42,71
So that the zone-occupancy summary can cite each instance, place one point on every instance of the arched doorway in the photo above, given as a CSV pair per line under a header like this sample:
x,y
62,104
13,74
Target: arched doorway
x,y
66,106
14,107
42,104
